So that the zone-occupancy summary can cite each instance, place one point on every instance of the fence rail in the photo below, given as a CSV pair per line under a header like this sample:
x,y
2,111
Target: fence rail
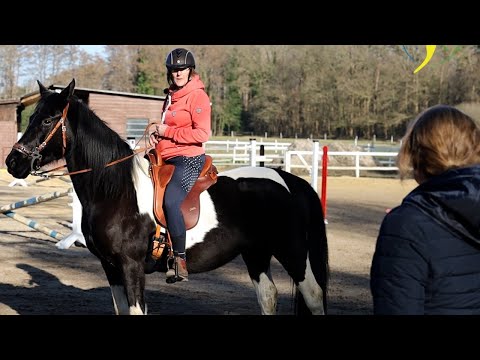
x,y
235,152
383,165
239,153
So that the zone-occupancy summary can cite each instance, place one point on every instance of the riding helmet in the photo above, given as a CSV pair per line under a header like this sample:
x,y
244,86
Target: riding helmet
x,y
180,58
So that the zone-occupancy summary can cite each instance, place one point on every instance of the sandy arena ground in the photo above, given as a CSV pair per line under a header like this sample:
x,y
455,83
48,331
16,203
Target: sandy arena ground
x,y
36,278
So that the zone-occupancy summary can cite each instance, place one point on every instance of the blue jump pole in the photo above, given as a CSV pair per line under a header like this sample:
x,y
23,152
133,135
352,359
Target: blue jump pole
x,y
34,225
34,200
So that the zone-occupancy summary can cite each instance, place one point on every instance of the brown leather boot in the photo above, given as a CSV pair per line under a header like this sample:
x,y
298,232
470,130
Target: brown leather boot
x,y
181,272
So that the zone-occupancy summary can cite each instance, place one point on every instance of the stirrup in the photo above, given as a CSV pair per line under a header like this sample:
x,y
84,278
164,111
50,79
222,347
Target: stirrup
x,y
170,274
159,243
178,272
171,278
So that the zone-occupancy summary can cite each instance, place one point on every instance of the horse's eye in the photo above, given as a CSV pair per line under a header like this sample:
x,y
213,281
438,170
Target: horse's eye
x,y
47,121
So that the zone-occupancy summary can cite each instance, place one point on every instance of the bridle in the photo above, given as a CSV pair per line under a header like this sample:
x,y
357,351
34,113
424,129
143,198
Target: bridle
x,y
35,153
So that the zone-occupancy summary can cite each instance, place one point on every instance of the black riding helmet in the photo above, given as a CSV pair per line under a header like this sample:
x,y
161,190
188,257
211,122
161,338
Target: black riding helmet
x,y
180,59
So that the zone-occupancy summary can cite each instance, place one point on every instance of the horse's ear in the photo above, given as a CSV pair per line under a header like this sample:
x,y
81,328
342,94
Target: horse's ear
x,y
68,91
43,89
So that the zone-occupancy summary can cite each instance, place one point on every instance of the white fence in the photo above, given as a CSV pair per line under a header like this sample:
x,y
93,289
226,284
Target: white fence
x,y
238,153
235,152
385,165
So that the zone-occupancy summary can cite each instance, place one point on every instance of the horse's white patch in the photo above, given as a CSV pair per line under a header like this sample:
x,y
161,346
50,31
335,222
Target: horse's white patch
x,y
206,221
120,302
143,185
76,234
312,292
255,172
136,310
266,294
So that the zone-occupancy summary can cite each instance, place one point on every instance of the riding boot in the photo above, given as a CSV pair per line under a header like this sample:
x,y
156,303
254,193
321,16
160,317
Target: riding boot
x,y
178,272
181,272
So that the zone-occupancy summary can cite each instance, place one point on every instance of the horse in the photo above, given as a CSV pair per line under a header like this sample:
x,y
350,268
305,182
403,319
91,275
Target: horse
x,y
255,212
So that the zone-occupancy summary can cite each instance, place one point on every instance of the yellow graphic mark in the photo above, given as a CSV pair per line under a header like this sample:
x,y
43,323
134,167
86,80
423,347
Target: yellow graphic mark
x,y
430,51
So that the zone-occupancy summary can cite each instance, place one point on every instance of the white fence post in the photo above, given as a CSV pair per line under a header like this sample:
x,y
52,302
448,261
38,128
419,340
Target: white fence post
x,y
287,161
357,165
253,152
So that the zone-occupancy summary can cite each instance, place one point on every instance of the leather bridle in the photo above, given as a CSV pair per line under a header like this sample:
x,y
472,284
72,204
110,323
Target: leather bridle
x,y
35,153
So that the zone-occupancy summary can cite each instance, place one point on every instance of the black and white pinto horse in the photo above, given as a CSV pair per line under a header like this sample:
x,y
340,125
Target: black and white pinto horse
x,y
253,212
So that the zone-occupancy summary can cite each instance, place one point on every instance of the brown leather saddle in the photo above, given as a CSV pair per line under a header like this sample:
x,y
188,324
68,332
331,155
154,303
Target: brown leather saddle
x,y
161,174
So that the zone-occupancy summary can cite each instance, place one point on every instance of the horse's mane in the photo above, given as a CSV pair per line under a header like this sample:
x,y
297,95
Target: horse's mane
x,y
96,144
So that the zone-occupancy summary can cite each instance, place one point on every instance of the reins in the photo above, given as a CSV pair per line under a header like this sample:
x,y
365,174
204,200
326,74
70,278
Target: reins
x,y
135,152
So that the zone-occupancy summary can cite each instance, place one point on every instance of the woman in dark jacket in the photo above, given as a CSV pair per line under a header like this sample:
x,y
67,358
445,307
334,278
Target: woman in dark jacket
x,y
427,256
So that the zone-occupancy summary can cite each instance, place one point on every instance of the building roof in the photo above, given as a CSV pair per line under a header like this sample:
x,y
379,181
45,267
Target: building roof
x,y
9,101
108,92
33,97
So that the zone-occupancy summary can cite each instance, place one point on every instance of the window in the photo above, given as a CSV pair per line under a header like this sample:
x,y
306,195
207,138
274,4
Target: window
x,y
135,130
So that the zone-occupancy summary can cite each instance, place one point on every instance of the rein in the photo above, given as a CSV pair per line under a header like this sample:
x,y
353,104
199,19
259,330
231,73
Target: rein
x,y
45,173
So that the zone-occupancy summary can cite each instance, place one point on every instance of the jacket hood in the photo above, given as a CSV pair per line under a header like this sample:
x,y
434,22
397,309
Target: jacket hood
x,y
453,200
194,84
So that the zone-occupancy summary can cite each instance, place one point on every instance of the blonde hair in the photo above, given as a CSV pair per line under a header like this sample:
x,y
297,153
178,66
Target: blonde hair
x,y
440,138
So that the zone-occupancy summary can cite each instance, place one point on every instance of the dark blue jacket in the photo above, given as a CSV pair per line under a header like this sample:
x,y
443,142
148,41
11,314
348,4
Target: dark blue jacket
x,y
427,256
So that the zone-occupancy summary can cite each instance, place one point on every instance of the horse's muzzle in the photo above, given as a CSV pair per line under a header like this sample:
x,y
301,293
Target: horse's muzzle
x,y
18,164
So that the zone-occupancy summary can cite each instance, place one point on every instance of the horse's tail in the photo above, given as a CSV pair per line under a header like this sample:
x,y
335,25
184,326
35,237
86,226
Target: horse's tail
x,y
317,249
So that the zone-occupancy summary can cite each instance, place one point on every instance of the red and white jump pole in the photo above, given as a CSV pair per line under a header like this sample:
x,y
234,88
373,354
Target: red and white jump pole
x,y
314,182
324,182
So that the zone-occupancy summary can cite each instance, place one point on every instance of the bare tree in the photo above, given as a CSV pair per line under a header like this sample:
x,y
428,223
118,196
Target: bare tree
x,y
11,61
121,62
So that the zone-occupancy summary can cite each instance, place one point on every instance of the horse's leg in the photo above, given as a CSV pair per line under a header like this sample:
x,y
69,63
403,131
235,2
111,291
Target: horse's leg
x,y
312,292
258,265
302,251
127,287
114,278
297,264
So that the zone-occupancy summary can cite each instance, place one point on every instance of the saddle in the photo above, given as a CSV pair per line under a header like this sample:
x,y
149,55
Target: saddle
x,y
161,174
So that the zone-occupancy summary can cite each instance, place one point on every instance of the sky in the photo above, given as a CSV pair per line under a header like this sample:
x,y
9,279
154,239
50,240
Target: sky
x,y
94,49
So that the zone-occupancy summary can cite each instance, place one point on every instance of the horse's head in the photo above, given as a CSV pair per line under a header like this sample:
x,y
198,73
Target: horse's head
x,y
44,140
